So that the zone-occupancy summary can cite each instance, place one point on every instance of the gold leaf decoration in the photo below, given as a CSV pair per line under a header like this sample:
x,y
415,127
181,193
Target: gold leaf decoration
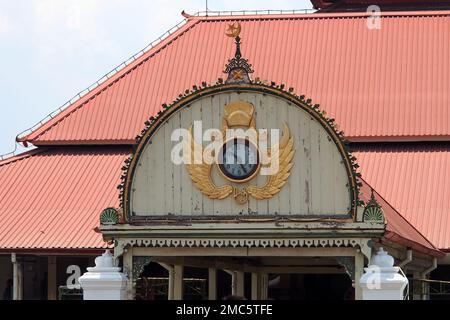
x,y
274,183
200,174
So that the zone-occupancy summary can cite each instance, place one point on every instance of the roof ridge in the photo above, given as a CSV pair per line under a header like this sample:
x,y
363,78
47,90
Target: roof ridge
x,y
46,132
24,155
313,15
74,148
154,47
109,79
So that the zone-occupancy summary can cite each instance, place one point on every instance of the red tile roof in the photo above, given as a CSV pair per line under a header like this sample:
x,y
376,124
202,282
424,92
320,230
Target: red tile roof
x,y
398,229
378,84
363,4
382,84
51,199
416,181
54,197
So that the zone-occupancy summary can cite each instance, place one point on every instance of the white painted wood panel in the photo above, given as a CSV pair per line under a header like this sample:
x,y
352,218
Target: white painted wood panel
x,y
318,184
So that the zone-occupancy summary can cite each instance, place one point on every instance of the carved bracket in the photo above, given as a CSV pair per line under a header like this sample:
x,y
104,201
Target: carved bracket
x,y
139,264
349,264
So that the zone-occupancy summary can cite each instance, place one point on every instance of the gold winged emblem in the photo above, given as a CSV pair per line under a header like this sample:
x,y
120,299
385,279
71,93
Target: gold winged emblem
x,y
201,173
241,115
285,153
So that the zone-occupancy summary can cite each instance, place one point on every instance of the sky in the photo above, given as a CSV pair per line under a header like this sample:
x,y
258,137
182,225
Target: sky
x,y
52,49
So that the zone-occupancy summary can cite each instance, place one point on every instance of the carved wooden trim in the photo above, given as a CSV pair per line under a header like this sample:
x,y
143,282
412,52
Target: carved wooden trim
x,y
247,243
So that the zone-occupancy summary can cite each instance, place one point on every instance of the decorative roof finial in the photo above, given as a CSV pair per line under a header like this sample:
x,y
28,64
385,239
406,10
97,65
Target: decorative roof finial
x,y
234,30
373,211
238,69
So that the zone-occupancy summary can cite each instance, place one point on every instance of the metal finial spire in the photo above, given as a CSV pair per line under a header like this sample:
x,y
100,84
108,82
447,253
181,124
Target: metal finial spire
x,y
238,54
238,69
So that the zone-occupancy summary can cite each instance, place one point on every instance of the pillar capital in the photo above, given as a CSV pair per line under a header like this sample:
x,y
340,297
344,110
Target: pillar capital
x,y
104,281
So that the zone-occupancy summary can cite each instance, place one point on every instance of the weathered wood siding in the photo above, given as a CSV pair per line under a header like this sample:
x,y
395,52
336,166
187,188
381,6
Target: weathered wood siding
x,y
318,184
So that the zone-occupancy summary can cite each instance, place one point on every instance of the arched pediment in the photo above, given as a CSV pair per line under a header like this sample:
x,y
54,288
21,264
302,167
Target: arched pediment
x,y
317,178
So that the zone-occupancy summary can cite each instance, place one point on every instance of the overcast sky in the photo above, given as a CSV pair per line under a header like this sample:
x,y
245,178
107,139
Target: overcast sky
x,y
52,49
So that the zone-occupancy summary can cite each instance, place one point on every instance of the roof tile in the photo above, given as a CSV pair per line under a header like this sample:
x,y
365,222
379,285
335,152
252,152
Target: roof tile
x,y
392,82
415,179
53,197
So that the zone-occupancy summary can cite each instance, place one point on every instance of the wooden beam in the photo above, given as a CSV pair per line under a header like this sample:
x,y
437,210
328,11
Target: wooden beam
x,y
239,283
128,270
417,286
297,261
190,252
255,286
17,278
170,270
178,285
304,252
212,284
264,287
359,269
246,252
51,278
200,262
224,263
233,281
297,269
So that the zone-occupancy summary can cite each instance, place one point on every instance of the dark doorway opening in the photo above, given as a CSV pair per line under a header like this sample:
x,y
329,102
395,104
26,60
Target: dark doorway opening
x,y
310,287
152,283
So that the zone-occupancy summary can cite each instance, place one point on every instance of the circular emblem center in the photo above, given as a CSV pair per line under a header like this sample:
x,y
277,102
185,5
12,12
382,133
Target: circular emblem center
x,y
238,160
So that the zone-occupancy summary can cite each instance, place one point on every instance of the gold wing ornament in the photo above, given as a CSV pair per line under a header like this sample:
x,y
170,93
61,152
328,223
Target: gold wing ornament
x,y
285,151
201,173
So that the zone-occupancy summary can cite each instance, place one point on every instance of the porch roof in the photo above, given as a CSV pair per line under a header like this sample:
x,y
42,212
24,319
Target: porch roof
x,y
52,199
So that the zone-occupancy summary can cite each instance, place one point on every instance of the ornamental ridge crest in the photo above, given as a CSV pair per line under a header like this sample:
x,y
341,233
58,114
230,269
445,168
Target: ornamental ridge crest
x,y
237,68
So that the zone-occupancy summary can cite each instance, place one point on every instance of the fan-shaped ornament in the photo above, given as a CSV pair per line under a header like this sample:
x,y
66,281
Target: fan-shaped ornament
x,y
373,211
109,216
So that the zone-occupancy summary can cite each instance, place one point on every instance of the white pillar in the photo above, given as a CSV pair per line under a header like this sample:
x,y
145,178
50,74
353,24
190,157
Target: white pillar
x,y
426,285
104,281
381,280
260,284
425,289
417,286
359,268
237,282
128,270
171,272
17,278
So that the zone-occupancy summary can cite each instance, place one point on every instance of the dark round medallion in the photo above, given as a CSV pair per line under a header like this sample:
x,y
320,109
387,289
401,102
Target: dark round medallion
x,y
238,159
